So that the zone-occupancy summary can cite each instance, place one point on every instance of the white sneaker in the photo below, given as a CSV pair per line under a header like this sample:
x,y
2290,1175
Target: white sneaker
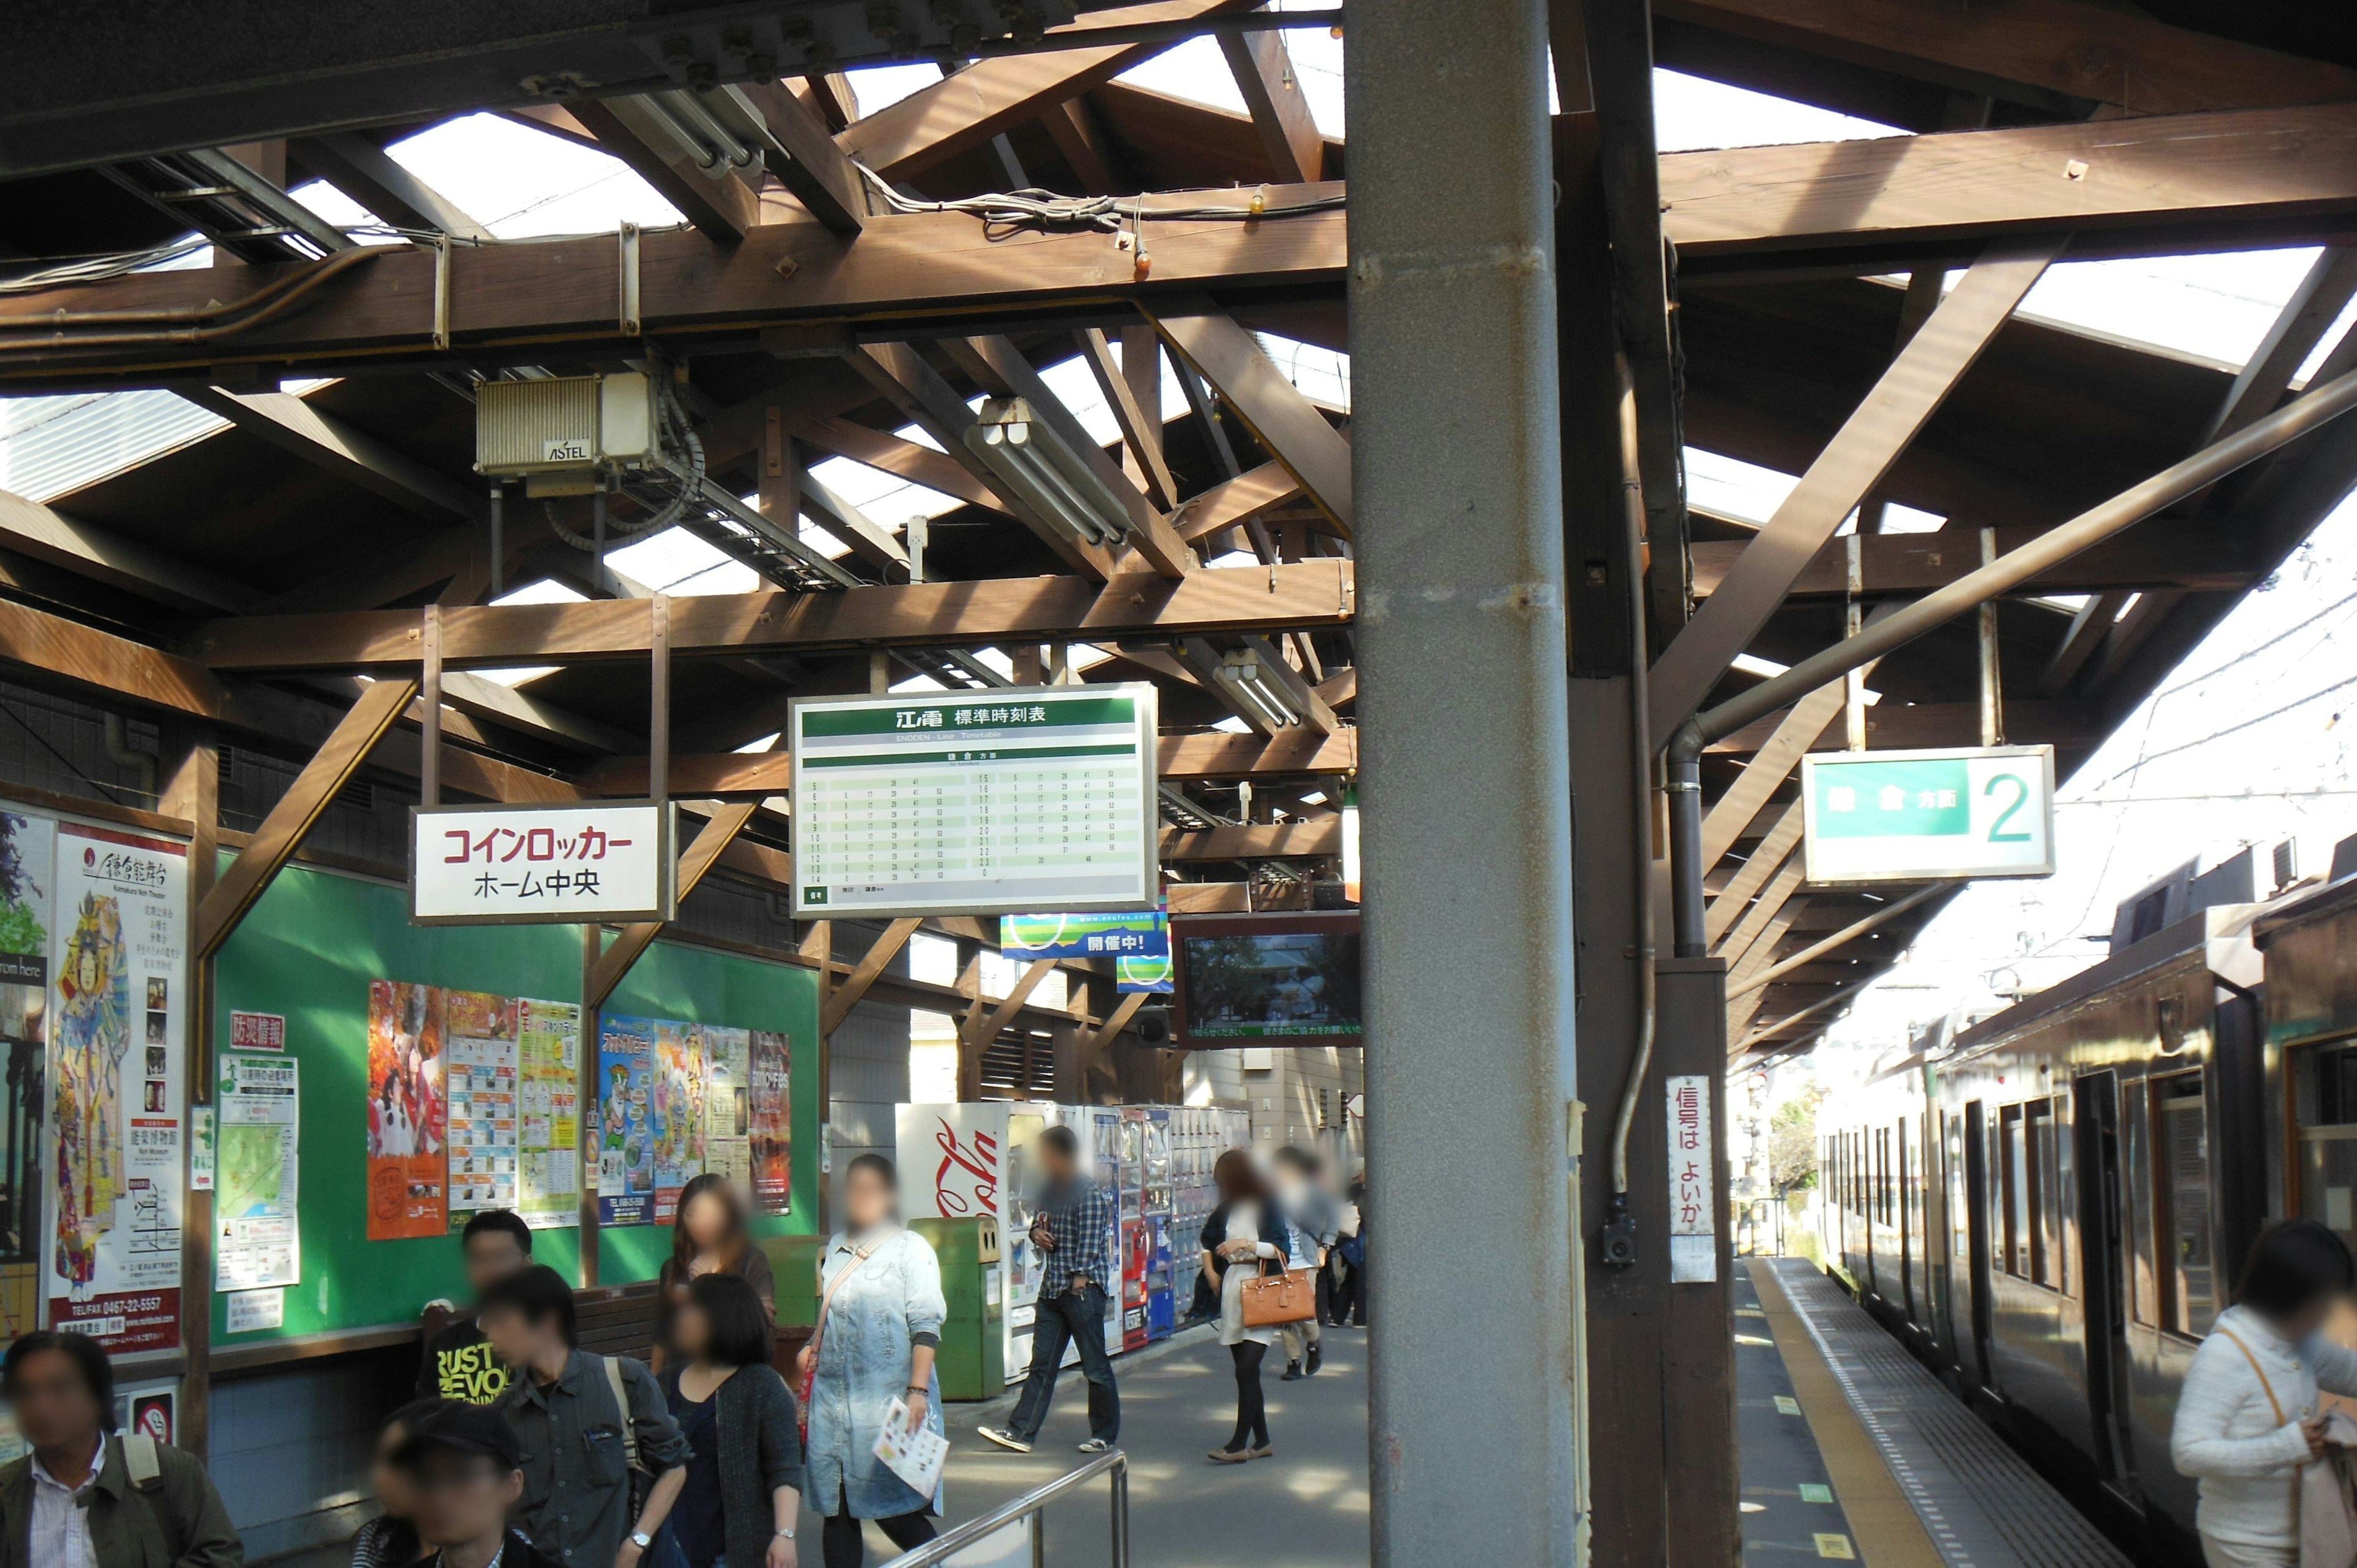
x,y
1003,1437
1096,1445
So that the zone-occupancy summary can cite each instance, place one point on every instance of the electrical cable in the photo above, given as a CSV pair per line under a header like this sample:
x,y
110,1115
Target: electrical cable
x,y
1046,210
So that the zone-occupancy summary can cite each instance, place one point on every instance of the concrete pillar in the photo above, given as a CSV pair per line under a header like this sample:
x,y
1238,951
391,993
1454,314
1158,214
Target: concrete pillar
x,y
1465,784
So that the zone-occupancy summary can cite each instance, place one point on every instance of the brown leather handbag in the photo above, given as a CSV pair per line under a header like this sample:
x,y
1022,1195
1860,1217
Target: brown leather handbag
x,y
1287,1296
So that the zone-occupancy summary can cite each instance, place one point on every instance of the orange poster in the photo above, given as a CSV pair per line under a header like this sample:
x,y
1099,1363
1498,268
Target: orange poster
x,y
407,1125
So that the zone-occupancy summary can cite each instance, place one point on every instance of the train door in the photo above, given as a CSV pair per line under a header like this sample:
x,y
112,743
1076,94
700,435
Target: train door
x,y
2104,1236
1978,1239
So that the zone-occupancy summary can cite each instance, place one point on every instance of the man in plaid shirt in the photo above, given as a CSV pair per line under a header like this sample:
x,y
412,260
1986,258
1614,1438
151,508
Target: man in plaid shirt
x,y
1073,1217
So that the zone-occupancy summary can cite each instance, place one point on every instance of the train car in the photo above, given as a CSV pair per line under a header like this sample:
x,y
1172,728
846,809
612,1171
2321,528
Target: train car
x,y
2048,1207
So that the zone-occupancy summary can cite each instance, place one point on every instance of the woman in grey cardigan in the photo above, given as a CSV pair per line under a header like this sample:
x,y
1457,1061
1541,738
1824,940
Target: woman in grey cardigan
x,y
745,1472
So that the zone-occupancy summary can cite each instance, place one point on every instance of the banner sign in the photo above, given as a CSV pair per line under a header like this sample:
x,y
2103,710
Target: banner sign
x,y
1139,934
557,864
1152,975
116,1060
1924,816
975,802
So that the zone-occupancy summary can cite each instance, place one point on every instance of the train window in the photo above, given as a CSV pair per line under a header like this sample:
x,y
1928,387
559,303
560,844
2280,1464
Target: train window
x,y
2181,1138
2143,1287
2324,1087
2045,1246
2014,1165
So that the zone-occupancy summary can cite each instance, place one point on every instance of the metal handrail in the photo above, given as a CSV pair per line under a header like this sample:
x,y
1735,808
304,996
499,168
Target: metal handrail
x,y
1115,1464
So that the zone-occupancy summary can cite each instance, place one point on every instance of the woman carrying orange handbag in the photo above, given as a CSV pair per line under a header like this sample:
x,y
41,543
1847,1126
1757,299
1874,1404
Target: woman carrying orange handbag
x,y
1245,1241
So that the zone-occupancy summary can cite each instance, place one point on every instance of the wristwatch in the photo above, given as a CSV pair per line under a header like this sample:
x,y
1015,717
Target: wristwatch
x,y
642,1540
787,1534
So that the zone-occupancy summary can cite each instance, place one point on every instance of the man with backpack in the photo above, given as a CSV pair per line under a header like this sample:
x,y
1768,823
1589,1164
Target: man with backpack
x,y
82,1498
602,1459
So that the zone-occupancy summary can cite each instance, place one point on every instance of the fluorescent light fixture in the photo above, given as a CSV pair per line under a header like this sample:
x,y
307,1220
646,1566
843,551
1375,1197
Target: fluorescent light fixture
x,y
1045,473
1240,673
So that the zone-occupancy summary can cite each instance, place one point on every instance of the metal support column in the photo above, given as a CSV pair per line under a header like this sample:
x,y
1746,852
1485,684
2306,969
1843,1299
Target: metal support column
x,y
1465,779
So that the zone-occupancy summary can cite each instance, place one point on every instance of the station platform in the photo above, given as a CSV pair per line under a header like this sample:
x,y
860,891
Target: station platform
x,y
1853,1451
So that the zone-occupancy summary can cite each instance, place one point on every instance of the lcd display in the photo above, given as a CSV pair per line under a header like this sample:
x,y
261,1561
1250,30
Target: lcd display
x,y
1270,979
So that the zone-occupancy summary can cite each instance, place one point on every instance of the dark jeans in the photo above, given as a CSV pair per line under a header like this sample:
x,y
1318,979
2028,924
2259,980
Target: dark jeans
x,y
1076,1317
1349,1296
1326,1288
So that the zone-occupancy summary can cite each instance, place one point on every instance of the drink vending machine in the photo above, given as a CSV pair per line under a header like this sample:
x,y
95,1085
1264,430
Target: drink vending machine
x,y
961,1161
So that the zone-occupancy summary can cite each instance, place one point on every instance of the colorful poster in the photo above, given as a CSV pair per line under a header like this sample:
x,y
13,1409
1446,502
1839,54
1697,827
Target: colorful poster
x,y
729,1108
678,1112
626,1125
549,1139
481,1086
28,860
770,1133
407,1168
258,1244
115,1057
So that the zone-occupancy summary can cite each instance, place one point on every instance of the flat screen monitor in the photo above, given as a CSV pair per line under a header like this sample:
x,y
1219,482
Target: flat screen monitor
x,y
1266,980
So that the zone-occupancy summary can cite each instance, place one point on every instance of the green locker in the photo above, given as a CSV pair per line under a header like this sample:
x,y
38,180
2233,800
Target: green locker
x,y
973,1360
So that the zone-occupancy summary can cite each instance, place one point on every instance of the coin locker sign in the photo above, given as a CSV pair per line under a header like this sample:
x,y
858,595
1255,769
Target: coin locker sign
x,y
1921,816
542,863
975,802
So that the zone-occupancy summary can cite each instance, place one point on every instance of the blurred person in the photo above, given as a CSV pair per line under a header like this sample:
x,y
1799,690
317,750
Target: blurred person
x,y
1315,1217
459,1362
391,1540
1244,1237
1351,1293
577,1505
880,1314
2248,1416
744,1487
464,1464
81,1498
709,1236
1073,1216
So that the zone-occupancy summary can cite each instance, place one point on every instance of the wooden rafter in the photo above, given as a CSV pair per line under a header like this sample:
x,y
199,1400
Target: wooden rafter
x,y
1280,418
282,832
1925,372
1141,432
701,856
1309,594
726,209
878,958
292,424
1767,857
1288,132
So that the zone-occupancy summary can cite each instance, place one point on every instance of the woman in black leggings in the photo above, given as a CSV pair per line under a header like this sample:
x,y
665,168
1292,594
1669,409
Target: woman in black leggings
x,y
1244,1235
839,1541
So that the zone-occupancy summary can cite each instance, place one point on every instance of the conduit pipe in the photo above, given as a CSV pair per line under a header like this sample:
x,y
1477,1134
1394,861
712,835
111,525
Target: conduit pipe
x,y
2007,572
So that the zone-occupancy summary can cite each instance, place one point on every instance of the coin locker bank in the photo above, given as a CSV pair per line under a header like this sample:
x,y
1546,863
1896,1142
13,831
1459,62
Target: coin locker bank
x,y
378,1083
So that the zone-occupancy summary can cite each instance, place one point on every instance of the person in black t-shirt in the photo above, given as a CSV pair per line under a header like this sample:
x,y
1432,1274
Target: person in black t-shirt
x,y
460,1363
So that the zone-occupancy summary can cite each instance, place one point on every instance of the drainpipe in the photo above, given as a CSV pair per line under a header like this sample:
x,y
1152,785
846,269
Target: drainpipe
x,y
2000,577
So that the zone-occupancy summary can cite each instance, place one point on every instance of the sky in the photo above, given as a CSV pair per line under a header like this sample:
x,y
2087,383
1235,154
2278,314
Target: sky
x,y
2245,744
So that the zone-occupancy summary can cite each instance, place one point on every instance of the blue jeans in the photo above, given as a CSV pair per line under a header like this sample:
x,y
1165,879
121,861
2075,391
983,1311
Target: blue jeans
x,y
1076,1317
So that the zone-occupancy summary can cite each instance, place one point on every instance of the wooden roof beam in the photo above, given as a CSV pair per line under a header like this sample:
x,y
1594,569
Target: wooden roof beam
x,y
2060,55
1304,595
1281,419
292,424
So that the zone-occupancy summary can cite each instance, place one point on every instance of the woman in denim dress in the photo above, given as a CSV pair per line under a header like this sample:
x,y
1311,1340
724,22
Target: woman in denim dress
x,y
883,1326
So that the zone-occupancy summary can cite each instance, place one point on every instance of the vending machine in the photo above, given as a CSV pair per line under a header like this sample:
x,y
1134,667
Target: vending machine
x,y
1161,1313
1136,1246
962,1161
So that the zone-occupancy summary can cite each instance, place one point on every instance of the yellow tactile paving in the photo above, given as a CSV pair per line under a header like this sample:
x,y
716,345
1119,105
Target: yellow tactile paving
x,y
1888,1535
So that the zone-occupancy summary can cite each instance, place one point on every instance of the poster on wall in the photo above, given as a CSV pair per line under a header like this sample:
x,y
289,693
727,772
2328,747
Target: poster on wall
x,y
770,1133
407,1168
257,1243
480,1084
28,856
626,1140
549,1139
651,1118
729,1108
118,1000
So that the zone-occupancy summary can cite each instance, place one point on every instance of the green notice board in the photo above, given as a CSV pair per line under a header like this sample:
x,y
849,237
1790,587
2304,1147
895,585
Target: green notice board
x,y
309,951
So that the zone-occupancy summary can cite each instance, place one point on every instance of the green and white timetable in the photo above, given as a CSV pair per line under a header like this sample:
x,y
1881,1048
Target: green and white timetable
x,y
975,802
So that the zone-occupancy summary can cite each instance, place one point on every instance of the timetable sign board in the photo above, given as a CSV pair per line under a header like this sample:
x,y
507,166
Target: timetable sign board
x,y
542,865
980,802
1924,816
